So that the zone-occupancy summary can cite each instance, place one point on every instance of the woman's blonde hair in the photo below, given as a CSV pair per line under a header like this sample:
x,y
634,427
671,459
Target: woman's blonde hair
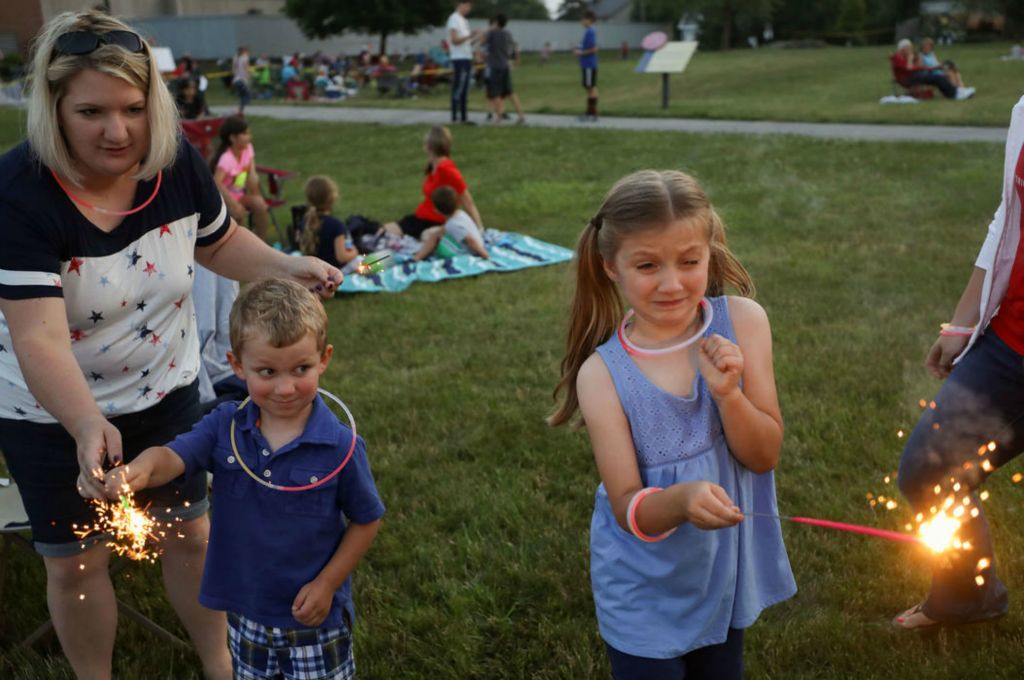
x,y
320,194
279,311
645,200
51,74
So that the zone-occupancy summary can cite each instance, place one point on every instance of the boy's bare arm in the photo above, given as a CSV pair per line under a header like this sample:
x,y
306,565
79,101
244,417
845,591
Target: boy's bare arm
x,y
313,602
155,466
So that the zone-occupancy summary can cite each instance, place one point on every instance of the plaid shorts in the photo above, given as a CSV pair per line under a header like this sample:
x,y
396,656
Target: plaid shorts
x,y
259,652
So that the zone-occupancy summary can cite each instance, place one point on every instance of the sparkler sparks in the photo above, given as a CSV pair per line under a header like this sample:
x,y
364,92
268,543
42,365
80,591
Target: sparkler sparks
x,y
130,528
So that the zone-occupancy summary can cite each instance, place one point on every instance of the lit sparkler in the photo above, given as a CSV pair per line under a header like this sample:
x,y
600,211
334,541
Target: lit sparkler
x,y
131,529
372,266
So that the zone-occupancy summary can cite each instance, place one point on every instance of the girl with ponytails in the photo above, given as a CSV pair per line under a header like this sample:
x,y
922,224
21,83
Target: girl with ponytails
x,y
678,397
322,234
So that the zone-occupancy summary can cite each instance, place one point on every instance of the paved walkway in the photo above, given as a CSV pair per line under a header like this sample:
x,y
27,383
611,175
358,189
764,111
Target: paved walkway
x,y
891,133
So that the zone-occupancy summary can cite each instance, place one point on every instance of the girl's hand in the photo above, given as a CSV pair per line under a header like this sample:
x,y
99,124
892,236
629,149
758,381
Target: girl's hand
x,y
941,355
721,364
708,506
313,603
95,436
315,274
136,476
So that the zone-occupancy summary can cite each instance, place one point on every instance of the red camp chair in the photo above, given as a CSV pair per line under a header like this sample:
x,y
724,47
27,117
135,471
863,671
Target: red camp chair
x,y
201,133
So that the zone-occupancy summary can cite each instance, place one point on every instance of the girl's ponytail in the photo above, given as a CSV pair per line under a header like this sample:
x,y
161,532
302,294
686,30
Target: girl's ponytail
x,y
596,309
724,268
320,191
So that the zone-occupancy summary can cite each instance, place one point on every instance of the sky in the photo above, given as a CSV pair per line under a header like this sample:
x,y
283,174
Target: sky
x,y
552,6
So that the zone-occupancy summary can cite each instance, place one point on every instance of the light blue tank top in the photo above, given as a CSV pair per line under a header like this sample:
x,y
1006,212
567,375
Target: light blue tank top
x,y
662,600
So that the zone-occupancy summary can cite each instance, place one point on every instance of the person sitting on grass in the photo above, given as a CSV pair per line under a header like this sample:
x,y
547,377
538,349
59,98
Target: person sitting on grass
x,y
279,563
322,232
909,73
234,169
458,236
946,68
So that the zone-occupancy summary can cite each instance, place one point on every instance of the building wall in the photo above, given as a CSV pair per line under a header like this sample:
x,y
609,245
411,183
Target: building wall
x,y
19,22
207,37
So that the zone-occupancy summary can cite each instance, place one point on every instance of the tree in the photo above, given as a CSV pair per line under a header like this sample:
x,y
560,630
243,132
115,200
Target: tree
x,y
724,17
571,10
323,18
513,9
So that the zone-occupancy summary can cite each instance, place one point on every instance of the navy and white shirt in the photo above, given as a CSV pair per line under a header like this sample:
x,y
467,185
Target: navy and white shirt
x,y
266,544
127,292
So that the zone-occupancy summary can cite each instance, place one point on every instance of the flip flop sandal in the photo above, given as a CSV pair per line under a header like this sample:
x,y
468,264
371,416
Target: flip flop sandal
x,y
903,620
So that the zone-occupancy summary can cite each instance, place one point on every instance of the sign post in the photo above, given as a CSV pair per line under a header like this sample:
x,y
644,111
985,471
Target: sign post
x,y
666,58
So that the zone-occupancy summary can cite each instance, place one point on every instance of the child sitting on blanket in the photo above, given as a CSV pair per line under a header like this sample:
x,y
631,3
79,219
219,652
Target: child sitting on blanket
x,y
279,564
458,236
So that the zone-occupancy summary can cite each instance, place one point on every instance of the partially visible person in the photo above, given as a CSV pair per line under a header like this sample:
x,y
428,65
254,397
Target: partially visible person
x,y
441,171
928,59
234,170
909,73
587,53
459,234
191,102
323,234
240,78
979,356
279,564
106,210
545,53
212,296
460,49
500,52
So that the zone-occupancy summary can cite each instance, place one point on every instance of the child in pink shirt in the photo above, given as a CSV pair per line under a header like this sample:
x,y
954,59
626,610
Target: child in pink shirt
x,y
234,169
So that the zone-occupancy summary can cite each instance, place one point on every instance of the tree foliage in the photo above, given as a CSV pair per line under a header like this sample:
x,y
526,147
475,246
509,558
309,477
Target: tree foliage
x,y
513,9
571,10
323,18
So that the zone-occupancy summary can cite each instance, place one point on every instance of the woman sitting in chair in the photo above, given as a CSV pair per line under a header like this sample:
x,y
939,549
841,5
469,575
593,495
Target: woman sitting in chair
x,y
234,169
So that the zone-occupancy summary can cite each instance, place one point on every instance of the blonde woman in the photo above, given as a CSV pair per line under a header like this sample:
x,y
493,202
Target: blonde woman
x,y
106,211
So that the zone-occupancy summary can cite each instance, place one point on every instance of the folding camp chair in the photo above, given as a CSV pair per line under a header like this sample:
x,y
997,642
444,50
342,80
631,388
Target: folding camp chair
x,y
272,194
13,523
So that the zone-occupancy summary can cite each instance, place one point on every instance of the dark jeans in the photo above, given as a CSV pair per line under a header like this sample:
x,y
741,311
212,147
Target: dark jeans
x,y
715,662
981,401
460,88
928,78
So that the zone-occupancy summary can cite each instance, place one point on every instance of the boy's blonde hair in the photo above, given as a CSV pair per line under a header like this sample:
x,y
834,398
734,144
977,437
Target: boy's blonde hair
x,y
645,200
279,311
50,75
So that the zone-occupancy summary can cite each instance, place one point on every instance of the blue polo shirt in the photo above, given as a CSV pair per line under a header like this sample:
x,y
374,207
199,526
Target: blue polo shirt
x,y
266,544
589,42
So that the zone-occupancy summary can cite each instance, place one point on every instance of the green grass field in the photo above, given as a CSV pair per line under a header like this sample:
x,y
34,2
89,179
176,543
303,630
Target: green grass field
x,y
859,251
833,84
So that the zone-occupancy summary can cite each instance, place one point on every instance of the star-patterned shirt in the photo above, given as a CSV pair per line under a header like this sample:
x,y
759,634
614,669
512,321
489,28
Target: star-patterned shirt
x,y
127,293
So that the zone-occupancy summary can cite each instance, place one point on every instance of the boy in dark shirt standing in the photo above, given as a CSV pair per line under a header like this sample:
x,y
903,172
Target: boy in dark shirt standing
x,y
501,49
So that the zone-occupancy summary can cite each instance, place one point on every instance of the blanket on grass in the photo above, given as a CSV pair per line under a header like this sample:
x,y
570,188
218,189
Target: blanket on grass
x,y
509,251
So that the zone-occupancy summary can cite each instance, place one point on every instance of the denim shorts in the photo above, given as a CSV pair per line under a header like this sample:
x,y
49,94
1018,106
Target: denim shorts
x,y
43,460
259,651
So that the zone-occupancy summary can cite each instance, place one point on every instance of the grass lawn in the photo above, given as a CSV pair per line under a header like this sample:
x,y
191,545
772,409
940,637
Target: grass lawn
x,y
833,84
859,250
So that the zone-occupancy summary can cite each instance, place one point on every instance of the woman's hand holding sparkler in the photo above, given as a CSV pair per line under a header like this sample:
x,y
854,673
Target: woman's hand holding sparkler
x,y
95,436
721,363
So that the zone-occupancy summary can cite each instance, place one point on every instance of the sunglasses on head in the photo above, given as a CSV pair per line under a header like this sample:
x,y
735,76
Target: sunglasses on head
x,y
77,43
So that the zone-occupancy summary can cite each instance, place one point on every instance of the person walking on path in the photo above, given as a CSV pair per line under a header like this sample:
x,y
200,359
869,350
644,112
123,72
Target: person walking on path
x,y
460,48
587,53
500,51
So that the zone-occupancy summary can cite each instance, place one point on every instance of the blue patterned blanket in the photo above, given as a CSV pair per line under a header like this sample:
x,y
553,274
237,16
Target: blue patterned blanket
x,y
509,251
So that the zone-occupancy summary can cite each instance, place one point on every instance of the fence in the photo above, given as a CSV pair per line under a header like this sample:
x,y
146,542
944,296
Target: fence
x,y
215,37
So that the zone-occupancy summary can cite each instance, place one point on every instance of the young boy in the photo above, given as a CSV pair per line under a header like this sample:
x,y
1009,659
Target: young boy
x,y
459,234
587,53
279,563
